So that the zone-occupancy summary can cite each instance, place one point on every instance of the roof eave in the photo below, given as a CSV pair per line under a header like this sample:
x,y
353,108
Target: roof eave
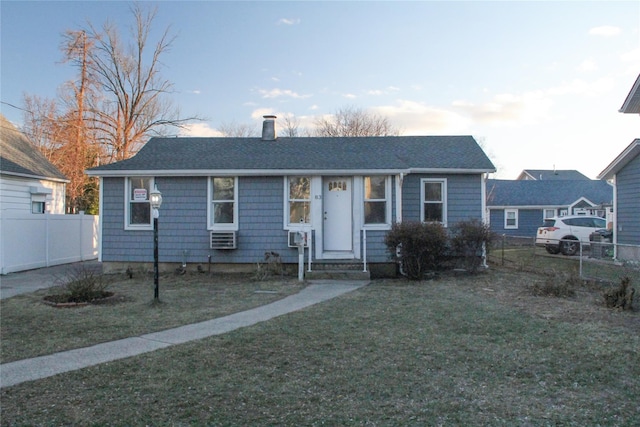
x,y
621,161
46,178
632,98
279,172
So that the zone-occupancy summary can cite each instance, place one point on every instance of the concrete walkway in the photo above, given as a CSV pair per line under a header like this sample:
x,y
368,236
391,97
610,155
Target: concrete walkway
x,y
45,366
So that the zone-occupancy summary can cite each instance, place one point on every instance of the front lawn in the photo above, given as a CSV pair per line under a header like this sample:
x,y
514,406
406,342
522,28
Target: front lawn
x,y
454,351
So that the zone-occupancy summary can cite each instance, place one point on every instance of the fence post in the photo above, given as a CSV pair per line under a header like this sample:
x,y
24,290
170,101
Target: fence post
x,y
580,243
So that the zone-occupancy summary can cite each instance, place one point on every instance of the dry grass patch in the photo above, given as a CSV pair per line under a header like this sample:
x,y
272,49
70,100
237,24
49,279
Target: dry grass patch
x,y
30,328
476,350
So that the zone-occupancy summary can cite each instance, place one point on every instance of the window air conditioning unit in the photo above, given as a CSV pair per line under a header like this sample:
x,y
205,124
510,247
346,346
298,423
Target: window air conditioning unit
x,y
293,236
224,240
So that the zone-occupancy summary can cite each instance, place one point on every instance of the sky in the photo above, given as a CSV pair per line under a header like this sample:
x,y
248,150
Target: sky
x,y
538,84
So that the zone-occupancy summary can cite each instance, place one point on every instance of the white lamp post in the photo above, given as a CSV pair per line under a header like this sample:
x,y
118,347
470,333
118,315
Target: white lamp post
x,y
155,197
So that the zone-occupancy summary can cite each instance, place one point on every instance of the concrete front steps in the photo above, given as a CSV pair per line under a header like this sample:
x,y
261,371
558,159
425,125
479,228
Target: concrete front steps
x,y
337,270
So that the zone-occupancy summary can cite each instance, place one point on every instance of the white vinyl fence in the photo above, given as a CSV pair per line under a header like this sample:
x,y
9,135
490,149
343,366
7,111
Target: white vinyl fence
x,y
30,241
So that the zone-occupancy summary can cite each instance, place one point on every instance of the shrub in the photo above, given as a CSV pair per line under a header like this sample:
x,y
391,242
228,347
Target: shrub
x,y
469,239
272,266
620,297
556,285
81,285
420,247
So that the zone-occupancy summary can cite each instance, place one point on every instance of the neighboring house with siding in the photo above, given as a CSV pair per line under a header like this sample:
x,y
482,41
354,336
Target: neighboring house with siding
x,y
29,183
518,207
34,230
550,174
233,199
624,172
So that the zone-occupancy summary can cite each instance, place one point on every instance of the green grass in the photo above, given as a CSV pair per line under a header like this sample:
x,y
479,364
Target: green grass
x,y
444,352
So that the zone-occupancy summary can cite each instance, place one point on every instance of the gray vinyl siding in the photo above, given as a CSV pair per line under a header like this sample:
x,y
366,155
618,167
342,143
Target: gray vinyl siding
x,y
464,197
528,222
182,225
183,220
261,213
628,200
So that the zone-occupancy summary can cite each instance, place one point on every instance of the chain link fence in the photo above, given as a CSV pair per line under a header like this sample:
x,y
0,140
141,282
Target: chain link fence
x,y
593,261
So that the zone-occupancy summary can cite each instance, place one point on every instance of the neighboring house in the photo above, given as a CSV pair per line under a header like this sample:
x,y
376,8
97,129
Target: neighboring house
x,y
231,200
631,104
518,208
28,181
624,172
548,175
34,231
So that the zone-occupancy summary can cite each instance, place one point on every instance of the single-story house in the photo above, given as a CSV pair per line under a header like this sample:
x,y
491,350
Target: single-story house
x,y
29,183
231,200
624,172
550,174
518,207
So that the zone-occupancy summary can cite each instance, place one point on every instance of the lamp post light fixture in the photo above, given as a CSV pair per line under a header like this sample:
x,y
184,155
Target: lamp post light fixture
x,y
155,197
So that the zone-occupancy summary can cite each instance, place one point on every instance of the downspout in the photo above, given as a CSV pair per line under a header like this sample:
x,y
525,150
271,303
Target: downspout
x,y
100,217
485,217
614,228
399,180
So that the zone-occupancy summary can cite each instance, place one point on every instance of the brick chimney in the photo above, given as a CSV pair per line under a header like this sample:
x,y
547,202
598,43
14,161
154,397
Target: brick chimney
x,y
269,128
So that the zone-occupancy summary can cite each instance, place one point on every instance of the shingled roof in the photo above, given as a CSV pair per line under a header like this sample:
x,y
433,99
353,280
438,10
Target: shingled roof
x,y
547,193
255,156
551,174
19,157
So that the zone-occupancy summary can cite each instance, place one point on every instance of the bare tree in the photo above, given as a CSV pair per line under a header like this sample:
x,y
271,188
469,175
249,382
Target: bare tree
x,y
134,105
41,124
290,126
352,121
235,129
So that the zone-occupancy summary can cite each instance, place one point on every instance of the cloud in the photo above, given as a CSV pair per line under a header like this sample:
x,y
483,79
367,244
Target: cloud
x,y
378,92
587,65
416,118
199,129
507,109
605,31
277,93
288,21
349,95
195,92
583,87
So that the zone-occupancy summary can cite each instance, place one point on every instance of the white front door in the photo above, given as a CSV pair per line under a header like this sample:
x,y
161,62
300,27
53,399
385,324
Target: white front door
x,y
337,207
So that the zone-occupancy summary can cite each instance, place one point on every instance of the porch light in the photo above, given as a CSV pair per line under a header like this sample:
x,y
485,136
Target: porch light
x,y
155,198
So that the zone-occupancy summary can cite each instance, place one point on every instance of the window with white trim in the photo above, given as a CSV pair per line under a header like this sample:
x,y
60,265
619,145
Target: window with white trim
x,y
510,218
377,206
223,206
137,206
548,213
299,199
434,200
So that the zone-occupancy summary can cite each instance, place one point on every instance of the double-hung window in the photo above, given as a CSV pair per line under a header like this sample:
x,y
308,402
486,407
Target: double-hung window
x,y
510,218
549,213
223,206
138,206
434,200
377,191
299,199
